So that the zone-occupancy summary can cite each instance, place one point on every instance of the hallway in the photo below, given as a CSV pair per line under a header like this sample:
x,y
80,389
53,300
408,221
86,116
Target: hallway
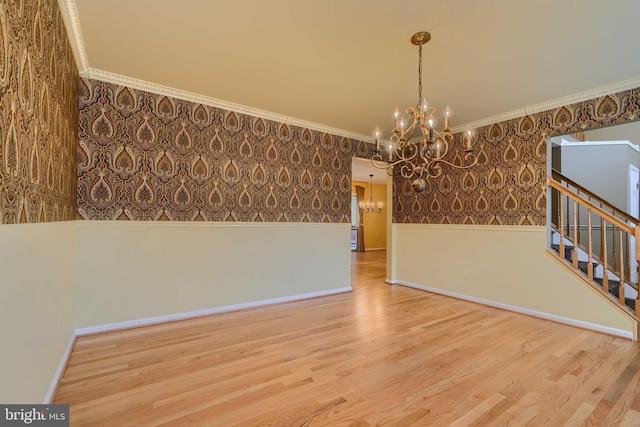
x,y
367,268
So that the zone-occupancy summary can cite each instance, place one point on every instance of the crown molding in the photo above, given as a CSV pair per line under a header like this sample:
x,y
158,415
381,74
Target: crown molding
x,y
132,82
586,95
71,20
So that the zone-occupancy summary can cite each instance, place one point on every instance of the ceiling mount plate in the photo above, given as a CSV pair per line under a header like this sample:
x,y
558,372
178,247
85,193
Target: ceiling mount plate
x,y
420,38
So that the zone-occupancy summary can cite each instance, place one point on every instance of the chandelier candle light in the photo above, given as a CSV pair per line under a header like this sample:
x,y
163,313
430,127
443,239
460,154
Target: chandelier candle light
x,y
369,206
420,156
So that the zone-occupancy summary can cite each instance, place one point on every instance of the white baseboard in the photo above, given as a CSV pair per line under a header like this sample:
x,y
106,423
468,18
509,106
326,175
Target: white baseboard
x,y
205,312
375,249
539,314
57,377
60,371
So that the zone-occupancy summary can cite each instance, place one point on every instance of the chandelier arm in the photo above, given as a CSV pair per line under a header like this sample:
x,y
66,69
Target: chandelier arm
x,y
400,148
413,114
378,158
427,152
424,155
475,161
407,170
387,165
433,170
446,148
405,146
384,166
444,135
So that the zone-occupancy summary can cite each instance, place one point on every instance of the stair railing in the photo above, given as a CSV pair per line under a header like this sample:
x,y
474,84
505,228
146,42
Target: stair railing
x,y
612,253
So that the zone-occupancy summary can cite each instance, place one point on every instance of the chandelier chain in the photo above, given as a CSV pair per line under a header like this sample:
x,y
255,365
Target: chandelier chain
x,y
419,76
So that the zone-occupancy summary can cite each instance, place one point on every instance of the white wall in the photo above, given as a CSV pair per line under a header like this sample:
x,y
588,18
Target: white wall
x,y
602,169
37,276
618,132
136,270
505,265
60,277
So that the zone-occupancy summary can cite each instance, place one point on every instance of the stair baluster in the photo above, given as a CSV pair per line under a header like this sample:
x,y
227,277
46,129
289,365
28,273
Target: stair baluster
x,y
575,235
561,224
614,258
603,254
568,233
627,258
622,278
590,247
577,207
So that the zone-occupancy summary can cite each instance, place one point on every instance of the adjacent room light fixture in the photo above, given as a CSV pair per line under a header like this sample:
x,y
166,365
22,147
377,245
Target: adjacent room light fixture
x,y
370,206
420,156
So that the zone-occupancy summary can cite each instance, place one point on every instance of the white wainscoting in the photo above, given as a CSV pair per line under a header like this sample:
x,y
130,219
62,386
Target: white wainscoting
x,y
502,266
136,271
37,280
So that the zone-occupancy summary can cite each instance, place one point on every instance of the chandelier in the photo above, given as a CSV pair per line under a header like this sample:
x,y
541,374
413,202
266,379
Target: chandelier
x,y
369,206
420,156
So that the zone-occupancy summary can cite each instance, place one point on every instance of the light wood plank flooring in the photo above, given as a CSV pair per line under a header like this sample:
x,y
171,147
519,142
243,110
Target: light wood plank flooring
x,y
380,355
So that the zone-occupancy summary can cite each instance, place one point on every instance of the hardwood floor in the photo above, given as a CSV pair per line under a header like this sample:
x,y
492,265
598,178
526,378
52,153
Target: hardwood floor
x,y
380,355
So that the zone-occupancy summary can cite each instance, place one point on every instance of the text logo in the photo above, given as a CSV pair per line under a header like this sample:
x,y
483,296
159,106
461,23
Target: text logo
x,y
34,415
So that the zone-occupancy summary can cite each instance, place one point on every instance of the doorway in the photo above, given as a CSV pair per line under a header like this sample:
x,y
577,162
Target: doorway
x,y
372,189
355,216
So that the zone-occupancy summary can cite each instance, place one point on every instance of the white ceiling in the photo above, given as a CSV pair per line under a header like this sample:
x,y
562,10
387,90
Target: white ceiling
x,y
347,63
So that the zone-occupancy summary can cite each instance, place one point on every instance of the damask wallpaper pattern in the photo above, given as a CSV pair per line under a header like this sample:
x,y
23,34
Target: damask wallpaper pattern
x,y
38,114
145,156
508,186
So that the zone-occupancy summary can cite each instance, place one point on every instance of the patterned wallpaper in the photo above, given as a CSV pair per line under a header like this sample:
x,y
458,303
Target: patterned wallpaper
x,y
38,114
144,156
508,185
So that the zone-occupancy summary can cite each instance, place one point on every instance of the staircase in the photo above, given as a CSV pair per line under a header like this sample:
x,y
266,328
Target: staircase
x,y
630,291
596,240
